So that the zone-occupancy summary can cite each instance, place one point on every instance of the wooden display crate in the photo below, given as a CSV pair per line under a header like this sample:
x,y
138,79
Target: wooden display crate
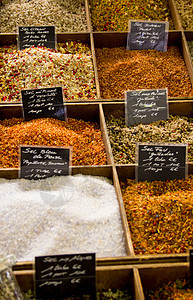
x,y
87,112
155,275
107,277
119,39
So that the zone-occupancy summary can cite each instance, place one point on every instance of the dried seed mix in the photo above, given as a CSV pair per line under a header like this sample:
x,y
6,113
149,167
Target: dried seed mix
x,y
114,15
185,8
179,289
70,66
66,16
60,215
120,70
160,215
123,139
84,137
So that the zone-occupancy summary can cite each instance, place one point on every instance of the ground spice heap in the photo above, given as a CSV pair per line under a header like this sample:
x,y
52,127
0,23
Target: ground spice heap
x,y
66,16
120,70
84,137
70,66
160,215
123,139
179,289
114,15
185,8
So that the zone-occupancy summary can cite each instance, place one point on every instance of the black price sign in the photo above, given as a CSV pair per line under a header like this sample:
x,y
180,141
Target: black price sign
x,y
65,276
161,161
37,36
43,103
38,162
191,266
147,35
145,106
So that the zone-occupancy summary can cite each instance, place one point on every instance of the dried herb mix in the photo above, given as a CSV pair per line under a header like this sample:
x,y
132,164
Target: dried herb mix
x,y
120,70
84,137
70,66
123,139
179,289
114,15
160,215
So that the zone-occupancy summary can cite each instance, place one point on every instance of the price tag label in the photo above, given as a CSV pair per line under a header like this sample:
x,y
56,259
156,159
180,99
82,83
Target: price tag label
x,y
65,276
145,106
161,161
37,36
147,35
43,103
38,162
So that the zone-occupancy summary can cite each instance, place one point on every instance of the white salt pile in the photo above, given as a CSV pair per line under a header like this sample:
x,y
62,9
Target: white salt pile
x,y
60,215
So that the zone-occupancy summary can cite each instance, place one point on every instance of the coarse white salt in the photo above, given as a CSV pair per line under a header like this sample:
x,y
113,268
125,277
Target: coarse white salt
x,y
60,215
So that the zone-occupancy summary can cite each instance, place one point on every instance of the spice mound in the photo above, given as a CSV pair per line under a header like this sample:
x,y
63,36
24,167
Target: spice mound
x,y
84,137
65,214
114,15
123,139
70,66
184,8
120,70
160,215
179,289
66,16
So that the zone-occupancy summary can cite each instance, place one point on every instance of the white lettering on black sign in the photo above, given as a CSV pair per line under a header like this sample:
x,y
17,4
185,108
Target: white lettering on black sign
x,y
65,275
145,106
41,162
43,103
147,35
161,161
37,36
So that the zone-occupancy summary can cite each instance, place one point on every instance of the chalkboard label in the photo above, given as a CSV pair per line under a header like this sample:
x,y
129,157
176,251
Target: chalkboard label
x,y
145,106
161,161
39,162
147,35
37,36
191,266
43,103
65,276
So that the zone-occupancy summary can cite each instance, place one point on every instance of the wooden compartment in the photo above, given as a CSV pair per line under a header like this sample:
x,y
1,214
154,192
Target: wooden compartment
x,y
117,277
81,37
128,172
119,39
153,276
176,108
87,112
104,171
